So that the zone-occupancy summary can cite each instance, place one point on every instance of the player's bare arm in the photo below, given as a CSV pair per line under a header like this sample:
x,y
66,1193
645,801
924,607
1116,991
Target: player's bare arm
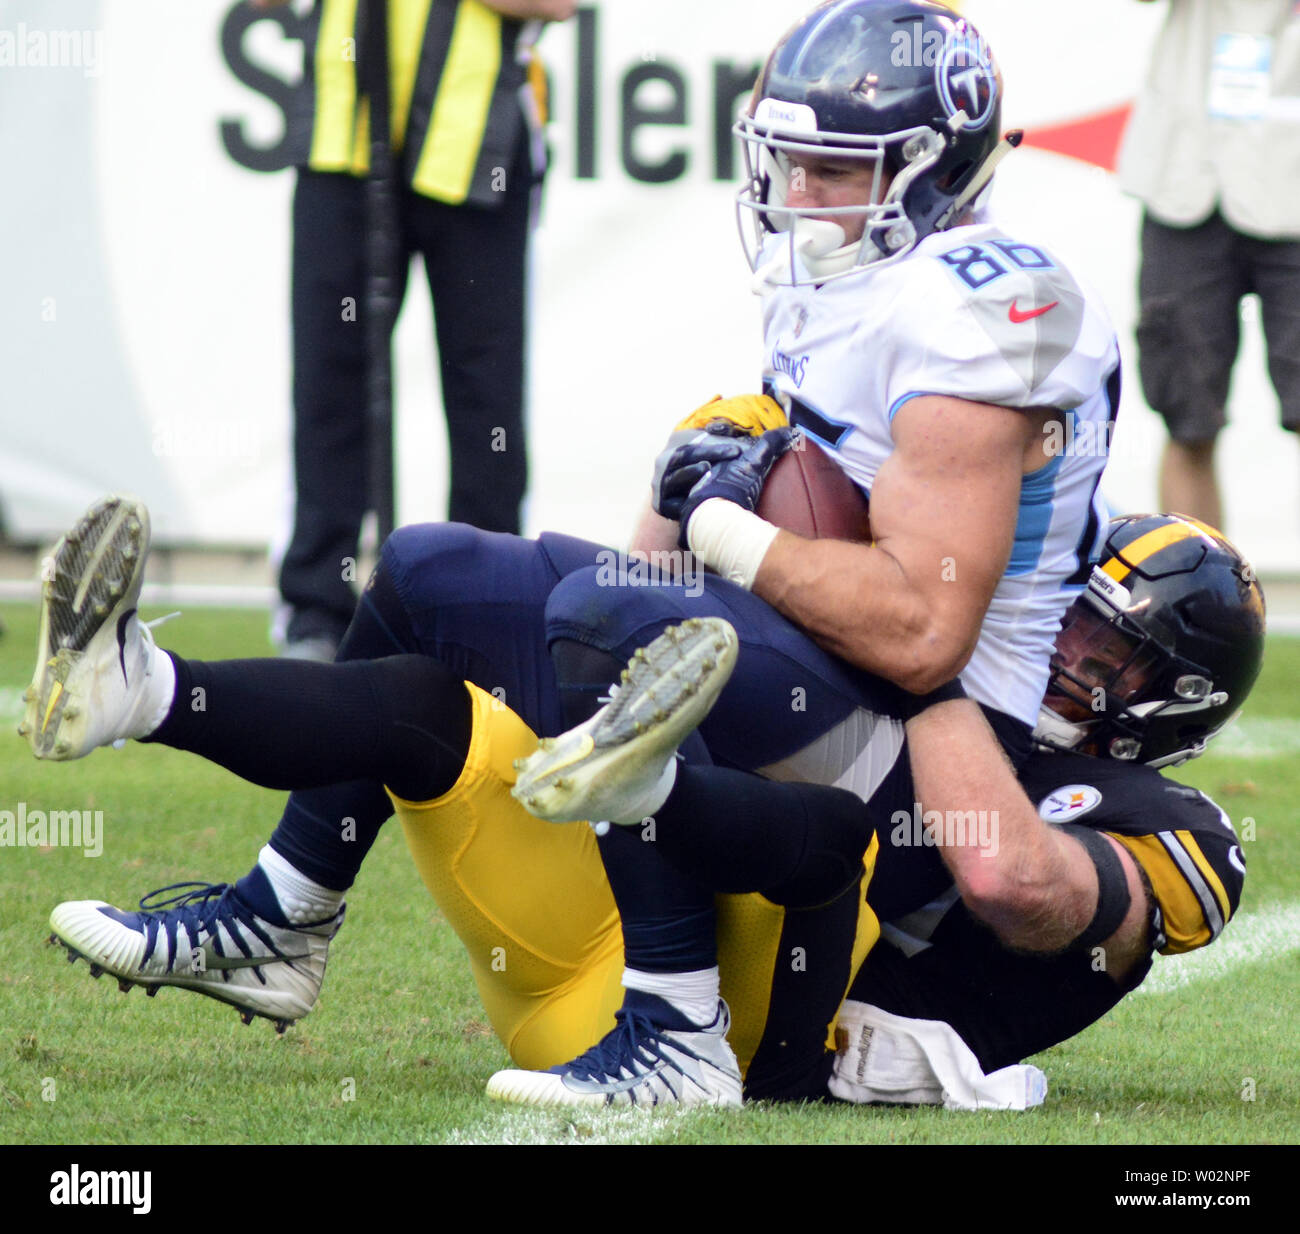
x,y
654,533
540,10
1038,888
943,516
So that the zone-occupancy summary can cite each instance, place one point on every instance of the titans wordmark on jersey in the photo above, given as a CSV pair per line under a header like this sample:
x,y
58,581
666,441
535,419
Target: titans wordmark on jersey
x,y
977,315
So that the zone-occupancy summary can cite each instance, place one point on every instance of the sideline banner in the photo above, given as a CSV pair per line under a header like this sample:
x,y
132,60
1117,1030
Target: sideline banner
x,y
145,243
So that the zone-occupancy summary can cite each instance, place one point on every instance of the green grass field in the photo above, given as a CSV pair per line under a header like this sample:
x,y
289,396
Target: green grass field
x,y
398,1048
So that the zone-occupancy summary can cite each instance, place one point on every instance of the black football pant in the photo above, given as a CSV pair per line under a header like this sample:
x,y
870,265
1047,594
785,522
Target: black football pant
x,y
475,261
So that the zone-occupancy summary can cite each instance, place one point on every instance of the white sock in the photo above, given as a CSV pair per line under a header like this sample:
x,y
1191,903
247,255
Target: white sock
x,y
301,900
155,698
645,806
694,994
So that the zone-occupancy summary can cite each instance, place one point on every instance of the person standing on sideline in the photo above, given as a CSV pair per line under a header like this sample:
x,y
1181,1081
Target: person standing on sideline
x,y
1213,153
467,106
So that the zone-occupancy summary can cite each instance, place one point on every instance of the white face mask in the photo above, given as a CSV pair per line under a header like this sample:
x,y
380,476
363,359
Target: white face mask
x,y
802,245
815,249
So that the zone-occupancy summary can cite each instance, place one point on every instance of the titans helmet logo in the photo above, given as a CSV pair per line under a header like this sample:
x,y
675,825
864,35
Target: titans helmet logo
x,y
965,77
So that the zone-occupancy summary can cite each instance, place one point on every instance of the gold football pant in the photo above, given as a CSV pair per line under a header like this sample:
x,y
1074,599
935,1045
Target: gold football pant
x,y
531,905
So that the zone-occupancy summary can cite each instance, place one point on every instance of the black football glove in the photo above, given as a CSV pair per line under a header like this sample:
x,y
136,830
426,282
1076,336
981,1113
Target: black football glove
x,y
686,460
740,478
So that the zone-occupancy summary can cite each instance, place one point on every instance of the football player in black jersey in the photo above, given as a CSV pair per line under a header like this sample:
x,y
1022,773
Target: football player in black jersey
x,y
1019,907
1094,860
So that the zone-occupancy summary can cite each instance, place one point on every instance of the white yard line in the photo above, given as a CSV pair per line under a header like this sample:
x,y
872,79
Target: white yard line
x,y
1259,737
507,1124
1250,938
168,595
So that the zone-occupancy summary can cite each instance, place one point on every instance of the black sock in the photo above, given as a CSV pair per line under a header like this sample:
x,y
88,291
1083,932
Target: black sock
x,y
326,832
403,721
800,845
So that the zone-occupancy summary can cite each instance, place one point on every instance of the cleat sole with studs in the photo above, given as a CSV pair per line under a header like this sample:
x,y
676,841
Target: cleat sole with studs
x,y
81,587
666,690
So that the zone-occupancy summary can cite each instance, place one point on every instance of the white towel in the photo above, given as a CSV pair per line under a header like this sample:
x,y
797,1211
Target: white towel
x,y
889,1058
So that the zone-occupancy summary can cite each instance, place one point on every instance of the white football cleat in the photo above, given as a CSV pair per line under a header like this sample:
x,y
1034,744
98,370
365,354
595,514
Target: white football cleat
x,y
204,939
98,674
619,765
653,1058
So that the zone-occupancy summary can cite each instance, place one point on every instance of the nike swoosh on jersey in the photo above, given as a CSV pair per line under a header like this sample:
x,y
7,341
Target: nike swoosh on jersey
x,y
1018,315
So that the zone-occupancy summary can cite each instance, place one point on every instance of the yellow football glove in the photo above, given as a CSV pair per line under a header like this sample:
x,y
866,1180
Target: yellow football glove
x,y
754,413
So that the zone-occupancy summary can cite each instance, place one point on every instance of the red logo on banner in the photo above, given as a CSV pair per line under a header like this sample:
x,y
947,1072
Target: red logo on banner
x,y
1093,139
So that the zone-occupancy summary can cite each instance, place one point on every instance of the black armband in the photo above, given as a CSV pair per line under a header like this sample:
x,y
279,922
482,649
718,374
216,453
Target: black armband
x,y
1113,898
913,704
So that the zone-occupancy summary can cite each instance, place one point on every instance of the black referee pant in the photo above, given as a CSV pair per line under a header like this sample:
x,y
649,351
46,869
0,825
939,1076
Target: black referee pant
x,y
475,261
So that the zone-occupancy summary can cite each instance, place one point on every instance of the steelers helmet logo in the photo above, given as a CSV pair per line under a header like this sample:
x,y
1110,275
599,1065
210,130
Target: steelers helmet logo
x,y
965,77
1065,804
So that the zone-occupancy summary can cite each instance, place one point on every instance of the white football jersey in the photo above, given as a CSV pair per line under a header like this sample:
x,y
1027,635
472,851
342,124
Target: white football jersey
x,y
977,315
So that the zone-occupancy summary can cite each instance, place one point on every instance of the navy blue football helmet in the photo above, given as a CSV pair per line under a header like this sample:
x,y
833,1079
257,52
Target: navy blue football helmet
x,y
906,85
1161,649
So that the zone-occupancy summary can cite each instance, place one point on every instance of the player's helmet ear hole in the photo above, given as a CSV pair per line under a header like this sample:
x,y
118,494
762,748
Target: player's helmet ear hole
x,y
950,182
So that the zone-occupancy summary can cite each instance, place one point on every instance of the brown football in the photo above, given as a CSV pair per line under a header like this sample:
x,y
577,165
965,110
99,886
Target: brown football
x,y
808,493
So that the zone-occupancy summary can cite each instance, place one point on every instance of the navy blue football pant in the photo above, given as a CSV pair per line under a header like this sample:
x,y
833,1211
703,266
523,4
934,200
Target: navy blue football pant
x,y
492,608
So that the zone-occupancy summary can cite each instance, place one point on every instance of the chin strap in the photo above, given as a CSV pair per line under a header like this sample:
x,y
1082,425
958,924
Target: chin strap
x,y
1052,730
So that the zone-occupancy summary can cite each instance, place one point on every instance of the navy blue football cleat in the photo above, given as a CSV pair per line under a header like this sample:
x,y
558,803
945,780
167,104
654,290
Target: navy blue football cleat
x,y
205,939
653,1057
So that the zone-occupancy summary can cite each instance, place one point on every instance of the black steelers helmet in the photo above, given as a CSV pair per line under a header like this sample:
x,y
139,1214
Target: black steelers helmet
x,y
904,84
1161,649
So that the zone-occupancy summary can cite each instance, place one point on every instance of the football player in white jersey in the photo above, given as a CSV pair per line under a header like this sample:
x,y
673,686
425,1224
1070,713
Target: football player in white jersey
x,y
899,334
886,353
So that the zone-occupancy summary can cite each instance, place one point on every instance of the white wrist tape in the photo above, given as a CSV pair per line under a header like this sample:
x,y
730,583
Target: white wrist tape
x,y
730,539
